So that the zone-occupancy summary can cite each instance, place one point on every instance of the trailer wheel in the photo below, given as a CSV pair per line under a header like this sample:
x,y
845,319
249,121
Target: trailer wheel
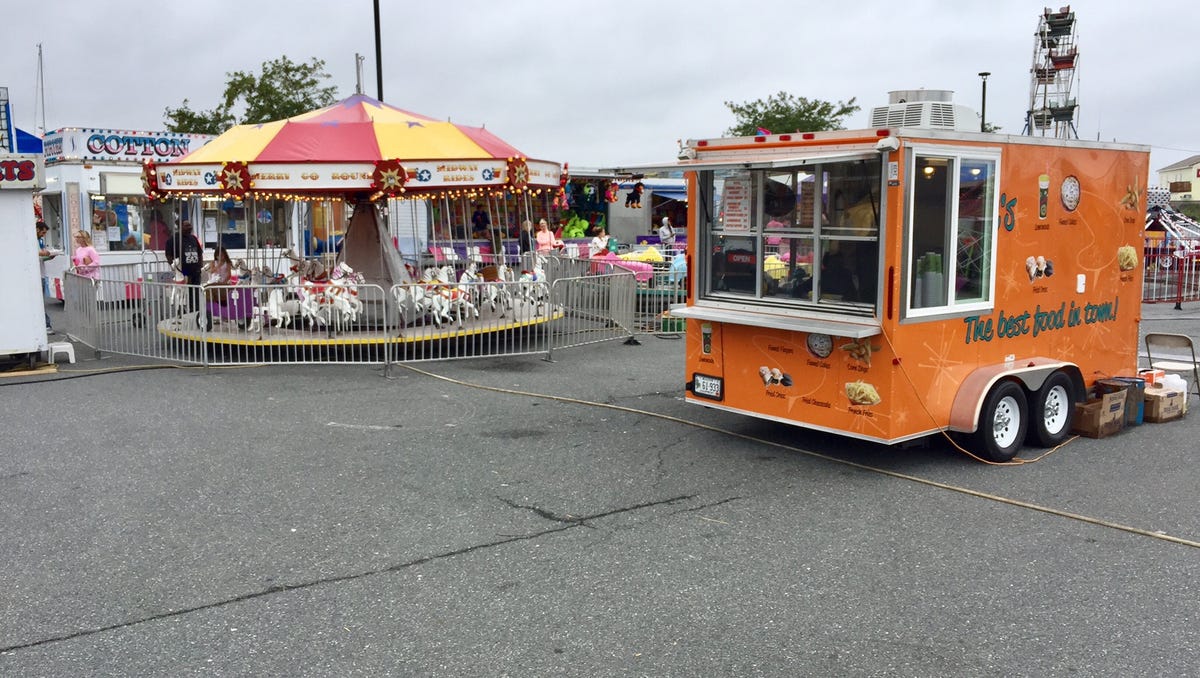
x,y
1051,410
1002,422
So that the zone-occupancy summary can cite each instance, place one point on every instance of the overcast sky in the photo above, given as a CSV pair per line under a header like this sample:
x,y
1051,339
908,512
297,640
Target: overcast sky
x,y
604,84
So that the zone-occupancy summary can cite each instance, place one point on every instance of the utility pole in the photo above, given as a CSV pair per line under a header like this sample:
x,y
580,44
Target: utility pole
x,y
378,55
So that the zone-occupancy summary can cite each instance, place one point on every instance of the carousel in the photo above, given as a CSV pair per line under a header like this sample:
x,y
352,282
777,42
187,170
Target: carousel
x,y
369,159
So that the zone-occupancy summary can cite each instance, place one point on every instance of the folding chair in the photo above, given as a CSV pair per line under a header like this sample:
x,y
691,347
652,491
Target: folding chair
x,y
1170,362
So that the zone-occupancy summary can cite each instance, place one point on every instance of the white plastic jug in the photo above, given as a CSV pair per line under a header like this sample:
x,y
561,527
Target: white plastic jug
x,y
1174,382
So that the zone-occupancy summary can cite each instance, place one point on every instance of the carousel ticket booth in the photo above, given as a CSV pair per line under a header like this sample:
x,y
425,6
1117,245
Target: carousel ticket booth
x,y
23,332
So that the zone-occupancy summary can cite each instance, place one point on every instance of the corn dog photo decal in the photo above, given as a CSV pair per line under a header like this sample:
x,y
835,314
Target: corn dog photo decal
x,y
861,350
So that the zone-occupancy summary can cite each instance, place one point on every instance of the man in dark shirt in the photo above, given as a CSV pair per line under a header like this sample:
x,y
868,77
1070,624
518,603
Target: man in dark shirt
x,y
188,249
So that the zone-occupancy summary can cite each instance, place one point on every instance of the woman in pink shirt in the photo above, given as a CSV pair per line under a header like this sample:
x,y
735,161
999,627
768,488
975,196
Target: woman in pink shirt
x,y
546,242
85,258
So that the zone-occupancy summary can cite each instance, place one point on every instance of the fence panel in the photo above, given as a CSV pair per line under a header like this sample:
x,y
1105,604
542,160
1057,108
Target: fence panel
x,y
598,306
1172,270
140,310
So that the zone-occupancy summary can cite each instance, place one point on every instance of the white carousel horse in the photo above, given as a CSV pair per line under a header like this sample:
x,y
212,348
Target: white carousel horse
x,y
457,296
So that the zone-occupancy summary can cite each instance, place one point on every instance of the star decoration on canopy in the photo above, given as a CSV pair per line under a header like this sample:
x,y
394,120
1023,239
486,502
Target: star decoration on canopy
x,y
518,173
235,179
150,181
389,177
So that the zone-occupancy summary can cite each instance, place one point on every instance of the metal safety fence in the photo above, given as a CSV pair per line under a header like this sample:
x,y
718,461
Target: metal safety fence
x,y
139,310
1172,269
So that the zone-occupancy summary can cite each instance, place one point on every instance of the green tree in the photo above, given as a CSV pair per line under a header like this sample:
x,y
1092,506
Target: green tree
x,y
784,113
283,89
184,119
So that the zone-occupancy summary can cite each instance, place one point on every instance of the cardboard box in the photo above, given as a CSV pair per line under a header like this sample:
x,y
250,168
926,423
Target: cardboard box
x,y
1134,399
1152,377
1164,404
1100,417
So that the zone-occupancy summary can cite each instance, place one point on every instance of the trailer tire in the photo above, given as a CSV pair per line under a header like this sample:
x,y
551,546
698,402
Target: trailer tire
x,y
1052,411
1003,420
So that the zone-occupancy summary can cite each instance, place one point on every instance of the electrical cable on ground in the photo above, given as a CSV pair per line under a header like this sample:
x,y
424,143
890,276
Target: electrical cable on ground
x,y
64,375
950,439
864,467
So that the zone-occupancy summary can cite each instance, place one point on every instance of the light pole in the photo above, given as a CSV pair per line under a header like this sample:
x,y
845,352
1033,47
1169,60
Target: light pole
x,y
378,55
983,108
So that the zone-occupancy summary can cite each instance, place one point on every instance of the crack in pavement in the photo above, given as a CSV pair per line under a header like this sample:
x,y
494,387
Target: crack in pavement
x,y
553,517
705,506
573,521
283,588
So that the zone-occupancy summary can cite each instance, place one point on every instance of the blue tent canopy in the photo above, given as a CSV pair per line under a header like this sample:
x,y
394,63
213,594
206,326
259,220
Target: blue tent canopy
x,y
27,143
671,190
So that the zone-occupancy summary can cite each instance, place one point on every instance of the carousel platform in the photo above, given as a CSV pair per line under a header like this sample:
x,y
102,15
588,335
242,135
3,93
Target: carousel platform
x,y
240,333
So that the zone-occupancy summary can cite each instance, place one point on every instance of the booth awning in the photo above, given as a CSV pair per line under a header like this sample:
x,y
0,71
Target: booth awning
x,y
670,193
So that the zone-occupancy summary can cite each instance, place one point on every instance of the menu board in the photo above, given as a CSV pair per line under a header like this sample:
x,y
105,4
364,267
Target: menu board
x,y
736,202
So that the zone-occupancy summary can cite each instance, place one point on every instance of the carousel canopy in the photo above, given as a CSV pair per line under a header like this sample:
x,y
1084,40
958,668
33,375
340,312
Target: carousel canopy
x,y
359,147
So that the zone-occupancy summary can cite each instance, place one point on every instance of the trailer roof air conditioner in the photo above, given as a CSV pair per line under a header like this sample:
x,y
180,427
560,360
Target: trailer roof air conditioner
x,y
924,109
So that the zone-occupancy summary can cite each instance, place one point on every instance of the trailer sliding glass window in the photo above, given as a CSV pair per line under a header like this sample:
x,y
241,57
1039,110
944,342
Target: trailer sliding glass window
x,y
796,236
951,246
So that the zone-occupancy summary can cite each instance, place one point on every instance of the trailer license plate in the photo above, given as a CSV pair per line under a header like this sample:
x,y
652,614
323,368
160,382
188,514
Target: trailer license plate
x,y
706,386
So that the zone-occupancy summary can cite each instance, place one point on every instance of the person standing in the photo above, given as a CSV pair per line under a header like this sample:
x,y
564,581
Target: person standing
x,y
526,243
44,255
186,247
480,223
546,241
85,263
85,259
666,233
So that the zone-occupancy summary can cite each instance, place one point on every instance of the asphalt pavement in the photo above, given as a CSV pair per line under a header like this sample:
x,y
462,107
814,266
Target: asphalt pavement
x,y
519,517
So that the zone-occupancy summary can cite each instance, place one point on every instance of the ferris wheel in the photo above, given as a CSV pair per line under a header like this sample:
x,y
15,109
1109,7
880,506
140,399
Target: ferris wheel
x,y
1053,105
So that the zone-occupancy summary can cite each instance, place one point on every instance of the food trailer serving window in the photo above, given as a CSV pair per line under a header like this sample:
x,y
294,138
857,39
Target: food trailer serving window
x,y
951,242
800,232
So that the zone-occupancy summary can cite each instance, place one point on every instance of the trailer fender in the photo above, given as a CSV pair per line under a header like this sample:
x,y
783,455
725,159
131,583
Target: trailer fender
x,y
1031,372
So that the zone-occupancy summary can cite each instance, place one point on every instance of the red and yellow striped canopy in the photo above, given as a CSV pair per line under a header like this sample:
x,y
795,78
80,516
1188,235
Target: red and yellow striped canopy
x,y
357,129
358,146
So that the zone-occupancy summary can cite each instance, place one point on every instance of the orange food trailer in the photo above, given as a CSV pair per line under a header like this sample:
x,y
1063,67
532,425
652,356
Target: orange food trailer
x,y
892,283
